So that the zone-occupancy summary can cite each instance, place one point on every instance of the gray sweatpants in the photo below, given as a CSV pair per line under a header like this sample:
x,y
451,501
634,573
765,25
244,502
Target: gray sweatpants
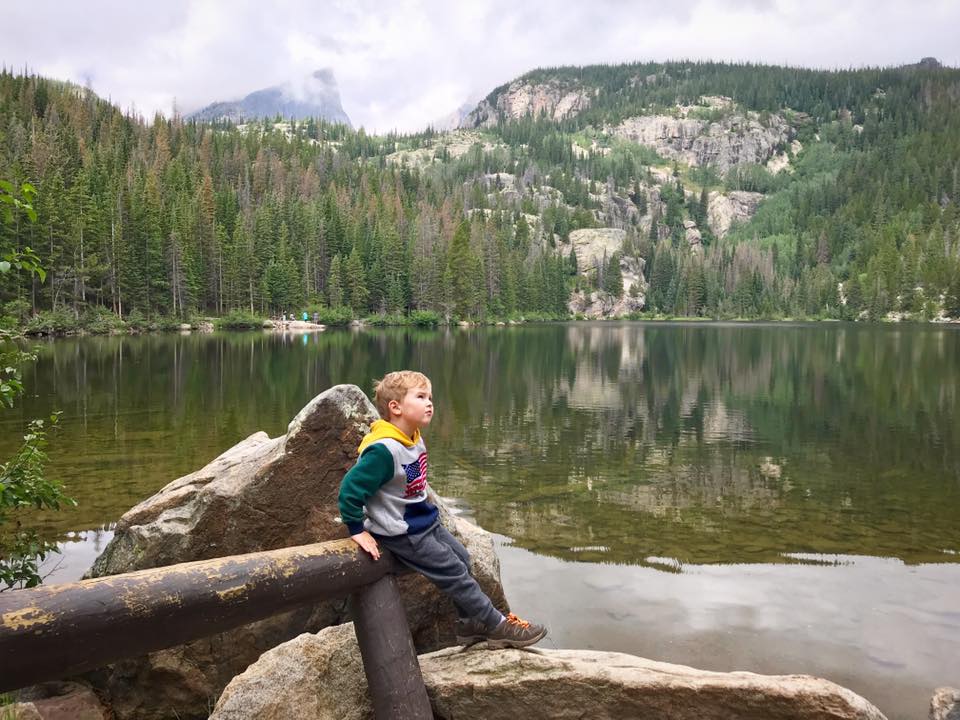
x,y
444,561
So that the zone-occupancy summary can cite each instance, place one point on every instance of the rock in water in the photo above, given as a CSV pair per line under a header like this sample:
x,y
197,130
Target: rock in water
x,y
262,494
320,677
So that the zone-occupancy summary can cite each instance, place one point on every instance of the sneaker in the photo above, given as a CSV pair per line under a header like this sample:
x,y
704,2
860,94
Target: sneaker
x,y
512,632
470,631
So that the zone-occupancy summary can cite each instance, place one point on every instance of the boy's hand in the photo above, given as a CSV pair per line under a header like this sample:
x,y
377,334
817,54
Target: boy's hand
x,y
366,541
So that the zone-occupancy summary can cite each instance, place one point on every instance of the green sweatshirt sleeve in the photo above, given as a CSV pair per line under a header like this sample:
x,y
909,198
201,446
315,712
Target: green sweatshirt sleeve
x,y
373,469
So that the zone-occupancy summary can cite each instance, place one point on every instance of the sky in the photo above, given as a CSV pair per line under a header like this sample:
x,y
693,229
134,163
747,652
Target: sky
x,y
403,64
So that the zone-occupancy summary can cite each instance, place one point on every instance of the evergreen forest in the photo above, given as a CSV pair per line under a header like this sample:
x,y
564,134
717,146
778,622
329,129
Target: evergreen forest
x,y
162,220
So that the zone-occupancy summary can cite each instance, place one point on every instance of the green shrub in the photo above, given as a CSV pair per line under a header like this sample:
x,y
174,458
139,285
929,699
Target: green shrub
x,y
335,316
136,320
52,322
168,323
239,320
101,321
14,314
384,320
425,318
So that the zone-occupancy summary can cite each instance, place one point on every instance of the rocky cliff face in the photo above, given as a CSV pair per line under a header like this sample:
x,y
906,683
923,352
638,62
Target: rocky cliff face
x,y
732,140
725,209
521,97
592,248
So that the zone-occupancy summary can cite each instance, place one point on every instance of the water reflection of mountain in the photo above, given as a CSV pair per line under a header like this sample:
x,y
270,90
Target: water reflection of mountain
x,y
646,440
650,439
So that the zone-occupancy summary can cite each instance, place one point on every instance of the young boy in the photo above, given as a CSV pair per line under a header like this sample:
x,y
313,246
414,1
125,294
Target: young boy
x,y
383,499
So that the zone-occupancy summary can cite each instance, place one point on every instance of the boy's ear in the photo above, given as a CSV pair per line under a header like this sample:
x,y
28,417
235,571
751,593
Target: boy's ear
x,y
394,407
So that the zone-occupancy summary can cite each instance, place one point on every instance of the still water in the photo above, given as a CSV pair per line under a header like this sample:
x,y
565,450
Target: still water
x,y
776,498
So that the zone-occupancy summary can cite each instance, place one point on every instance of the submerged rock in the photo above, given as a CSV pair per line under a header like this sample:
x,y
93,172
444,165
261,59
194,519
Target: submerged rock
x,y
262,494
316,677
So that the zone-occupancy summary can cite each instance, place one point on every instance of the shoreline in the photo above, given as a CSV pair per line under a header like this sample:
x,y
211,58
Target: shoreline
x,y
210,325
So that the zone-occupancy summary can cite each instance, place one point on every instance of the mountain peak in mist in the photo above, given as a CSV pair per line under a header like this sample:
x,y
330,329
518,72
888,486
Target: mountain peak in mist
x,y
316,95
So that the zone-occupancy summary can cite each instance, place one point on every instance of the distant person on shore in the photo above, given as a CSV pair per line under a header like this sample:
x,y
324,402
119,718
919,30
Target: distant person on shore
x,y
316,318
383,499
283,320
304,315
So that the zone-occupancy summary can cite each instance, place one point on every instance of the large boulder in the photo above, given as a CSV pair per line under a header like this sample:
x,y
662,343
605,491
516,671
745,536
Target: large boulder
x,y
57,701
262,494
320,677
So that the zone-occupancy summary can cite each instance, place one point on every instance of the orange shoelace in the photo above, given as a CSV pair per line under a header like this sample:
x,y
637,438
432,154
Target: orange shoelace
x,y
514,620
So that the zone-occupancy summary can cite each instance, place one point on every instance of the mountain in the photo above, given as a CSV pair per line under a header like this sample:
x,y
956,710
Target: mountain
x,y
684,188
456,118
316,97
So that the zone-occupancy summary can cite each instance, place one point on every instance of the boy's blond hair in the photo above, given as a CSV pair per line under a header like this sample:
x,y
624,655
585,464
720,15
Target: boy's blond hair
x,y
393,386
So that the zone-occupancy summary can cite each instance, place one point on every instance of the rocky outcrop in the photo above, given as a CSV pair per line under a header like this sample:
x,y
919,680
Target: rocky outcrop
x,y
725,209
693,236
262,494
598,304
57,701
592,247
554,98
732,140
945,704
316,677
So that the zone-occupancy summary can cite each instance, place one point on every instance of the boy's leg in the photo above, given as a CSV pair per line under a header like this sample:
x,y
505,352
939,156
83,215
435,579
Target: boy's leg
x,y
433,555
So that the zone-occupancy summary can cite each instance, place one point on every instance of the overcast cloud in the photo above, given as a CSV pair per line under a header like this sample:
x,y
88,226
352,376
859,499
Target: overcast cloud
x,y
403,64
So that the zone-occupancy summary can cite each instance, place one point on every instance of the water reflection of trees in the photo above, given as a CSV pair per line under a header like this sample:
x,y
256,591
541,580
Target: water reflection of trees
x,y
643,439
649,441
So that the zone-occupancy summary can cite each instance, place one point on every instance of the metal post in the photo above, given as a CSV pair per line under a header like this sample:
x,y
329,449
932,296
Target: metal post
x,y
389,657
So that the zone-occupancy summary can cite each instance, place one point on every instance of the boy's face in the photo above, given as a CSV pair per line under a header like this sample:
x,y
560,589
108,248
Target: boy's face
x,y
416,407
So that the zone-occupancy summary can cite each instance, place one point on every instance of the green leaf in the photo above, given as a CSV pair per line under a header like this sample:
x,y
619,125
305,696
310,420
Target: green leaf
x,y
4,266
7,186
31,213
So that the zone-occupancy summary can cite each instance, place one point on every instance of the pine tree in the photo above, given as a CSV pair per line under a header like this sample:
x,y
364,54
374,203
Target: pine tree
x,y
613,277
335,283
354,282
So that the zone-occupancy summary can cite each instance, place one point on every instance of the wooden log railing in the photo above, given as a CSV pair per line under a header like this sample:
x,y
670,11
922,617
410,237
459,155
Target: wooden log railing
x,y
54,631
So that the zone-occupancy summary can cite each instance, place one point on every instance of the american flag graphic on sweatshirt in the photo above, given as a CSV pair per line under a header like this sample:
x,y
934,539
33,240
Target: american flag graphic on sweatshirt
x,y
416,476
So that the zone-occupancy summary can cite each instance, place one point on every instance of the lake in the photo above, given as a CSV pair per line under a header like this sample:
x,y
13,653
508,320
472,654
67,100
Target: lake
x,y
781,498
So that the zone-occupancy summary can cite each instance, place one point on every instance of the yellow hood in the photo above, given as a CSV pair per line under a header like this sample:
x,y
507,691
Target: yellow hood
x,y
381,430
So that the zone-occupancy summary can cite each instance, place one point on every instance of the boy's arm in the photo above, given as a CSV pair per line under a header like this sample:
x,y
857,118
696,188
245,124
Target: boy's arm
x,y
373,469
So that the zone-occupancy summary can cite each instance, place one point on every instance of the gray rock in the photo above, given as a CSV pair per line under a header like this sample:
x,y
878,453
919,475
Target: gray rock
x,y
20,711
735,139
319,677
555,98
262,494
945,704
723,210
59,701
312,676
